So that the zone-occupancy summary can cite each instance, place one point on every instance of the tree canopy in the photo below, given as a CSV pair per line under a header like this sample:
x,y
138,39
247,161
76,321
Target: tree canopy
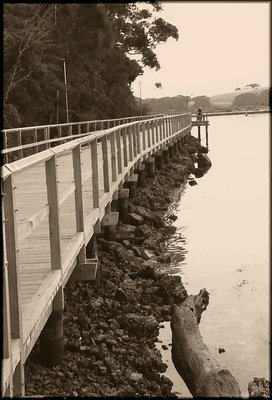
x,y
105,47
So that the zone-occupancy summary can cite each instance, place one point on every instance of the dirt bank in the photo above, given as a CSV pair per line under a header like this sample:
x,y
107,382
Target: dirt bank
x,y
110,328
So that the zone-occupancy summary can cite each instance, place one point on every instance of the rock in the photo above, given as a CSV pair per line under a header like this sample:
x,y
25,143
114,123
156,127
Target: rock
x,y
204,161
203,149
166,310
164,347
135,219
143,230
192,182
120,295
140,325
135,377
192,149
125,231
173,217
198,172
259,387
147,215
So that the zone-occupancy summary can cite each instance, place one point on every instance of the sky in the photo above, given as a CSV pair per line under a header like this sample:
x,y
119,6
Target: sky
x,y
222,46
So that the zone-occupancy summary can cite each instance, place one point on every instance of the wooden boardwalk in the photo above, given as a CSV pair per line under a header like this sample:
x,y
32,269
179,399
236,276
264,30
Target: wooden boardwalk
x,y
53,202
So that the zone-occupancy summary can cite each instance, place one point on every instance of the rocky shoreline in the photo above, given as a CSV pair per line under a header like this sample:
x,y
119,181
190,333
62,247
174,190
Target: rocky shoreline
x,y
111,327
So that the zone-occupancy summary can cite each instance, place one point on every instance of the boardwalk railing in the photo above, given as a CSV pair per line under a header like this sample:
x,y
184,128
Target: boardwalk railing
x,y
22,142
53,202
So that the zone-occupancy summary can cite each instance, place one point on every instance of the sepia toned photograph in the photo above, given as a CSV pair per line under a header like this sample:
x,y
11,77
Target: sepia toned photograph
x,y
135,182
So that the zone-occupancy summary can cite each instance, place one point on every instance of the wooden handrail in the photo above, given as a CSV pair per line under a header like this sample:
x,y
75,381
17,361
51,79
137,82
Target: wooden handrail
x,y
61,138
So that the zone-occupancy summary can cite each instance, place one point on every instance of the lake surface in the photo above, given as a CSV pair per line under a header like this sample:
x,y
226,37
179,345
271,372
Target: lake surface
x,y
224,225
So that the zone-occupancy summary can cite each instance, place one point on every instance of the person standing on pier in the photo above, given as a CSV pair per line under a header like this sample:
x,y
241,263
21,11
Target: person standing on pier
x,y
199,114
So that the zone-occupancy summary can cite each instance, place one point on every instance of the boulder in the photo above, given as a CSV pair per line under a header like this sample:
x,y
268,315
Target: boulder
x,y
135,219
204,161
124,232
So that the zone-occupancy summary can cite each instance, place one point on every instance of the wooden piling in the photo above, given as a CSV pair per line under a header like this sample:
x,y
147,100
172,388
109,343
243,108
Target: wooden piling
x,y
165,154
131,184
123,203
141,175
51,339
158,160
109,222
207,138
171,149
150,166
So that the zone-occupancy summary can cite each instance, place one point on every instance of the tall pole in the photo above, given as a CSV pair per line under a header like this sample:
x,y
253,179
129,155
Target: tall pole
x,y
66,94
140,84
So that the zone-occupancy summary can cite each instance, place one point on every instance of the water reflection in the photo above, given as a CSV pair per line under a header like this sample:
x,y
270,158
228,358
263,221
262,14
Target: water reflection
x,y
222,244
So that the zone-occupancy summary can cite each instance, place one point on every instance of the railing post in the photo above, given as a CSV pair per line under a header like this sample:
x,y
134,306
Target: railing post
x,y
144,134
134,133
51,338
119,151
78,189
95,182
79,129
12,256
46,137
105,163
156,127
138,137
125,146
160,128
148,134
153,132
20,143
5,147
53,201
130,144
36,140
113,155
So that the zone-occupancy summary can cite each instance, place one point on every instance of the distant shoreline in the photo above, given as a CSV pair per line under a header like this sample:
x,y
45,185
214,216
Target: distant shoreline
x,y
241,112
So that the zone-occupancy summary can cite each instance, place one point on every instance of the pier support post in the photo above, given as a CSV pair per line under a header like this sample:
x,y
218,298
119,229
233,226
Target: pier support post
x,y
123,203
175,148
131,184
150,165
199,135
109,222
158,160
114,203
51,338
171,150
165,154
141,176
207,138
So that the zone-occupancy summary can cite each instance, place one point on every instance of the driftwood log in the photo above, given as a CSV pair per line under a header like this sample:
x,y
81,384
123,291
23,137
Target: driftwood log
x,y
199,370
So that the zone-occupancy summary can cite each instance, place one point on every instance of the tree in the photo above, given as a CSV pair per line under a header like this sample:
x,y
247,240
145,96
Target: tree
x,y
26,32
105,47
138,32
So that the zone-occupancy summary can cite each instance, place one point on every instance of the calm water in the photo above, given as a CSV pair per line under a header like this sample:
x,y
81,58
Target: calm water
x,y
224,221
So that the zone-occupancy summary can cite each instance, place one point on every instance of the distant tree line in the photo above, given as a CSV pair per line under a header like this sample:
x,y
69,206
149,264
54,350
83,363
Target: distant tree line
x,y
181,103
96,41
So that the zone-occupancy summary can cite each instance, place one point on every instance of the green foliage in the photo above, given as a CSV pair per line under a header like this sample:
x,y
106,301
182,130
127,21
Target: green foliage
x,y
96,41
174,104
252,99
201,101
